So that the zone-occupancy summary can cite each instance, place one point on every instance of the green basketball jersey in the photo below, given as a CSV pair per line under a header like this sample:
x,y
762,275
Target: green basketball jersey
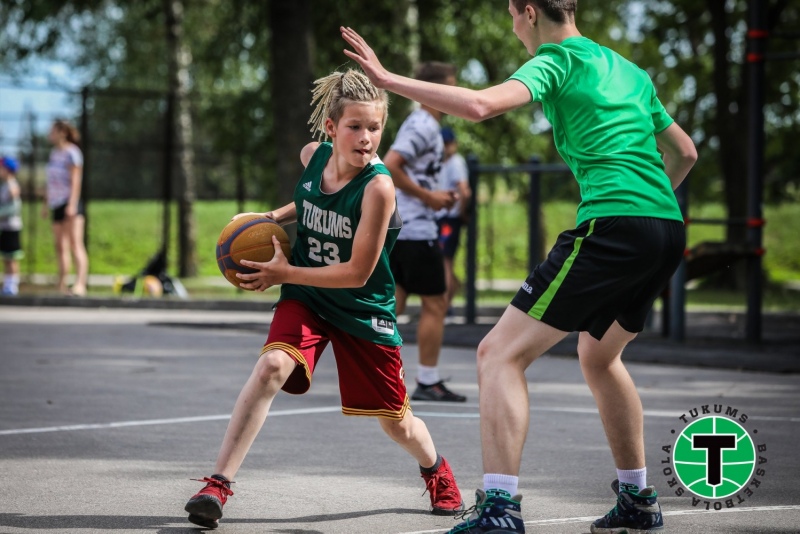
x,y
326,226
605,115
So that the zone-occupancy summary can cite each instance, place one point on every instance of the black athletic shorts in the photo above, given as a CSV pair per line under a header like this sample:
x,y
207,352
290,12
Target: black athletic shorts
x,y
9,244
60,212
449,235
418,267
608,269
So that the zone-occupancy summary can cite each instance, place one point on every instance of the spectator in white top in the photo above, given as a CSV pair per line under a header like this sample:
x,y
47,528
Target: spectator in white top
x,y
415,159
454,177
63,204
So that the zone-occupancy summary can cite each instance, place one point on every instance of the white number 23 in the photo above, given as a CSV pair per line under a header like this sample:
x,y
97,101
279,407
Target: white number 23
x,y
330,252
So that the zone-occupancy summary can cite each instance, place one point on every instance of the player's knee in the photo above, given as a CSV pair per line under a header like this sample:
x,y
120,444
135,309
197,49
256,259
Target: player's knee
x,y
400,431
489,352
435,305
274,365
594,361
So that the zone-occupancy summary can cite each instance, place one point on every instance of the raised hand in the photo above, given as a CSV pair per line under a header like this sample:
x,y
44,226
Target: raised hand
x,y
365,56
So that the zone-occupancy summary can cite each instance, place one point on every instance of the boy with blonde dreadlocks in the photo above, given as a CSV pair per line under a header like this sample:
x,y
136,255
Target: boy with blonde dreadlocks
x,y
339,289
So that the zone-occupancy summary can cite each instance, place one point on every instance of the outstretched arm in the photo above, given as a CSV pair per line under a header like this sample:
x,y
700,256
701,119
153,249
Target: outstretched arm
x,y
473,105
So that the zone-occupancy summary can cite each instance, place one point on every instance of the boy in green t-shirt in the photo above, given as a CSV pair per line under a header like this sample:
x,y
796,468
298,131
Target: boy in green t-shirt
x,y
602,277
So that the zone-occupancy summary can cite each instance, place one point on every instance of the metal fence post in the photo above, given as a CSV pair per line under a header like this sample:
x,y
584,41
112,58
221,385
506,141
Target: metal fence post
x,y
676,314
472,240
86,146
534,209
33,215
756,36
169,148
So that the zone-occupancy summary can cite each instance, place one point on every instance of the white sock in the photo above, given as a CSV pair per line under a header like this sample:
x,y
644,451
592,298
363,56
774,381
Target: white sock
x,y
502,482
11,282
427,376
632,477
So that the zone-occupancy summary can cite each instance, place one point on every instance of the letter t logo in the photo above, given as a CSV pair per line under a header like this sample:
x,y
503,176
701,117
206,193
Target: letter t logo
x,y
714,444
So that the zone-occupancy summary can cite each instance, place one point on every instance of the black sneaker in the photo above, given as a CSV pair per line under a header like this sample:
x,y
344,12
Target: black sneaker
x,y
495,512
436,392
635,513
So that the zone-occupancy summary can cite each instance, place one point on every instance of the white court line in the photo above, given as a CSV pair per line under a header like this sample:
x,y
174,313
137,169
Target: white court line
x,y
454,415
122,424
567,520
329,409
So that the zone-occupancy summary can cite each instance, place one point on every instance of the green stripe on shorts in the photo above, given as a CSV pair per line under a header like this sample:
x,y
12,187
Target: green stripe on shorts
x,y
547,297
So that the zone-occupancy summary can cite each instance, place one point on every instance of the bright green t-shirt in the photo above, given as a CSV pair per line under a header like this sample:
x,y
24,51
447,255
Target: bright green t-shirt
x,y
605,115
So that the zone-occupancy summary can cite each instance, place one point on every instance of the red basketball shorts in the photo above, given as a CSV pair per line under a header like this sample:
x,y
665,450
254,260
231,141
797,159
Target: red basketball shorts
x,y
371,376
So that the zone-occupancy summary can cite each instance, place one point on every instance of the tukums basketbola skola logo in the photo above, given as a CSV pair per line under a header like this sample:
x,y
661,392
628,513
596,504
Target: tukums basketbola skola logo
x,y
714,459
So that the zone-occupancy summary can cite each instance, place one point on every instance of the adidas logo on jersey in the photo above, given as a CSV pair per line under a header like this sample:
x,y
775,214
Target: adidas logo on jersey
x,y
307,186
383,326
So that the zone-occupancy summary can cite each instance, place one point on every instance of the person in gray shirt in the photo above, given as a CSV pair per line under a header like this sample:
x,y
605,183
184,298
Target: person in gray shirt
x,y
414,160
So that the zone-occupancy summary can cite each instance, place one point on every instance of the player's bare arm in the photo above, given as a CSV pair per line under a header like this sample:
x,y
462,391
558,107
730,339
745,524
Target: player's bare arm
x,y
464,194
377,207
470,104
283,215
75,176
678,151
307,152
437,200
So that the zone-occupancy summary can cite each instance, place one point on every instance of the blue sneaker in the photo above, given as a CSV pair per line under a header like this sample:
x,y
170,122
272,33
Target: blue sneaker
x,y
495,512
635,513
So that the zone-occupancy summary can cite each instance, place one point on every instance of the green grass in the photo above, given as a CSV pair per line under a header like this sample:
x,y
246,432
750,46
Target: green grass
x,y
123,235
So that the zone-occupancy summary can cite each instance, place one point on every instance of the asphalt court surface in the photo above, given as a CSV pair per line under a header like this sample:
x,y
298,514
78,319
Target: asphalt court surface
x,y
105,415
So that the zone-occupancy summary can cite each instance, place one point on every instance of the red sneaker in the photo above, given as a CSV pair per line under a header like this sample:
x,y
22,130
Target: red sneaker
x,y
445,496
205,508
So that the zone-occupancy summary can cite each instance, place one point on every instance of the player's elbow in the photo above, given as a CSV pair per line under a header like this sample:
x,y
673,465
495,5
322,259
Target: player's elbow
x,y
479,109
360,282
360,278
689,154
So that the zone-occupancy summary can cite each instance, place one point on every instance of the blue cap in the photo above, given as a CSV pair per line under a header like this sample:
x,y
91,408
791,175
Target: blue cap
x,y
448,135
9,163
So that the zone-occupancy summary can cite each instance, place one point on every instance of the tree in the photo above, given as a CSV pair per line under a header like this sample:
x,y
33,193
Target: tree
x,y
179,61
704,56
291,77
250,97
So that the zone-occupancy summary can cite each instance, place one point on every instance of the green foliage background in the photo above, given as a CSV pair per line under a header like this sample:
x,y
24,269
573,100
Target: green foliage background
x,y
116,47
113,44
